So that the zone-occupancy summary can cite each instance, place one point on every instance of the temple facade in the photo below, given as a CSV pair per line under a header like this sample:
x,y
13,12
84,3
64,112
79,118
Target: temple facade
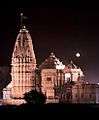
x,y
65,83
51,75
23,65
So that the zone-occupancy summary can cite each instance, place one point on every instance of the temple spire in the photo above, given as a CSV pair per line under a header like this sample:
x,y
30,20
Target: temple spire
x,y
22,17
23,65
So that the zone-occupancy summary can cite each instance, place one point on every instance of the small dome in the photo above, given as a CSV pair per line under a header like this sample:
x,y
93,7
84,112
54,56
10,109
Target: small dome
x,y
52,55
51,63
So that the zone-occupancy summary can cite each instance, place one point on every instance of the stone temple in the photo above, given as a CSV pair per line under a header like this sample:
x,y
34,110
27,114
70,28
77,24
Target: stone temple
x,y
23,64
65,83
59,82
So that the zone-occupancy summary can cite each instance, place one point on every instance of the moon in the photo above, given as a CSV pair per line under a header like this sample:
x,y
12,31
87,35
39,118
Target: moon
x,y
77,54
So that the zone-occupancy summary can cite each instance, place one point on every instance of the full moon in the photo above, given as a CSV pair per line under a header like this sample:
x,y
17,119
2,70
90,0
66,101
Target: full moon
x,y
77,54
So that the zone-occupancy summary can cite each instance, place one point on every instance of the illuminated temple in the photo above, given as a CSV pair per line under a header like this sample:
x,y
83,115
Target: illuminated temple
x,y
65,83
23,64
59,82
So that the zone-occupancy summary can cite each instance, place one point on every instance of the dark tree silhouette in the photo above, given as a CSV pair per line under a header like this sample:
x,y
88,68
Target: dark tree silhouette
x,y
34,97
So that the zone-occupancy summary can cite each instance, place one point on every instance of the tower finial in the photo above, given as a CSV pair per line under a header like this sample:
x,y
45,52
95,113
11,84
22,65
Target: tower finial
x,y
71,62
52,54
21,19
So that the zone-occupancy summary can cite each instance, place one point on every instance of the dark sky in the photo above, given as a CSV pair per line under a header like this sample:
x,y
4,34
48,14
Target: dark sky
x,y
62,30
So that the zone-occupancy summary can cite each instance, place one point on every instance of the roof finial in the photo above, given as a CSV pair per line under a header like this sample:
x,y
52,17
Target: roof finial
x,y
21,19
52,54
71,62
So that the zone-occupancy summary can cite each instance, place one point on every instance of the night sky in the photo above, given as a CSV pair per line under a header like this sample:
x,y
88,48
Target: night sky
x,y
62,30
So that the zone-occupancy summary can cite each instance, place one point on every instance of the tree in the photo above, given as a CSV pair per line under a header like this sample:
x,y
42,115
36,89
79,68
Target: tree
x,y
34,97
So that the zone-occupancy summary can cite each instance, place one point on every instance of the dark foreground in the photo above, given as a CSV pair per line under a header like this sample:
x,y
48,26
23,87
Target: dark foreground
x,y
52,108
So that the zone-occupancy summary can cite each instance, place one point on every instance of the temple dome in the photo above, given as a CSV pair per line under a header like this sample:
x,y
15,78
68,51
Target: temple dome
x,y
52,62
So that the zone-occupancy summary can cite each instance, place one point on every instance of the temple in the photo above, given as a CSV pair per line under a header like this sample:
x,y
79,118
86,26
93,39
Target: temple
x,y
65,83
23,65
51,74
60,83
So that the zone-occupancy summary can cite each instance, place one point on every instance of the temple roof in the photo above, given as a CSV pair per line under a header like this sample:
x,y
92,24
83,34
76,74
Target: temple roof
x,y
71,65
23,46
52,62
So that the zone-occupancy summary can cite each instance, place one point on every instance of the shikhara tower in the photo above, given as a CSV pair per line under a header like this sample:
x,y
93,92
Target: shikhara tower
x,y
23,64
